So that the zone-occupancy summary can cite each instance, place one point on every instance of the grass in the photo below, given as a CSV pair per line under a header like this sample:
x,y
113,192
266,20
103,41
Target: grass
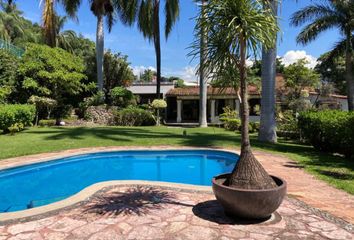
x,y
335,170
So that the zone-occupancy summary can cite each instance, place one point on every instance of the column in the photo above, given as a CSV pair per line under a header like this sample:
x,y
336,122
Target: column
x,y
237,105
212,110
179,111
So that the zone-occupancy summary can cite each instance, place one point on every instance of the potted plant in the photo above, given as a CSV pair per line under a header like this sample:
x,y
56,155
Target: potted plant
x,y
236,30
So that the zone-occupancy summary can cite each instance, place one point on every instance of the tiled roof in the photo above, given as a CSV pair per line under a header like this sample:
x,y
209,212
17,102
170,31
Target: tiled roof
x,y
194,91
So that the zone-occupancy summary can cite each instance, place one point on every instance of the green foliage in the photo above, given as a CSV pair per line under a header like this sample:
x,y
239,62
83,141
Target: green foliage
x,y
287,125
180,83
116,71
298,77
329,131
47,122
147,75
159,104
122,97
17,127
43,104
15,116
51,72
254,127
332,70
134,116
8,74
231,124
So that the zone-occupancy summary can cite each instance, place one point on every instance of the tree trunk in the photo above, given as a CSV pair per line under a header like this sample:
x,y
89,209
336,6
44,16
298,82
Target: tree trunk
x,y
157,44
248,172
349,71
99,51
203,86
49,23
267,131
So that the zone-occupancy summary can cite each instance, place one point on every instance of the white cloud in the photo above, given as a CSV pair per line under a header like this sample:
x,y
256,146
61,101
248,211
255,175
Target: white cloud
x,y
292,56
140,69
189,74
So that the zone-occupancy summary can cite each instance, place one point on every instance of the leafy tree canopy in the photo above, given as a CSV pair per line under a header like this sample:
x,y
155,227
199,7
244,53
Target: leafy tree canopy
x,y
298,77
8,73
51,72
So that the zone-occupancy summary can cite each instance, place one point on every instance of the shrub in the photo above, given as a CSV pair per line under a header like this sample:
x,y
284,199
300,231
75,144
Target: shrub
x,y
287,125
253,127
16,116
329,130
47,122
122,97
231,124
134,116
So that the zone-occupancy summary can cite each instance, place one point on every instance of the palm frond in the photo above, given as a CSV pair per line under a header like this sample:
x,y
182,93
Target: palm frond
x,y
311,13
146,19
311,31
171,14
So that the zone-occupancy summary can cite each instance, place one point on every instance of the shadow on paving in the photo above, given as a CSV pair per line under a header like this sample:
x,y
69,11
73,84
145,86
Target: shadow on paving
x,y
135,201
212,211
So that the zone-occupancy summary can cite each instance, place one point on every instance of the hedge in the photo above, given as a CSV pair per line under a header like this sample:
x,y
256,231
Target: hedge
x,y
16,115
134,116
329,130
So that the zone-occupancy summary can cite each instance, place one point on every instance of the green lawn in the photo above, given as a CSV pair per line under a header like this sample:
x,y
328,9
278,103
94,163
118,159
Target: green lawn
x,y
333,169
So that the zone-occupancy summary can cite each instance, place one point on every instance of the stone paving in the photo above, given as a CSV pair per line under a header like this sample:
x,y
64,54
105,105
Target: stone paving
x,y
137,212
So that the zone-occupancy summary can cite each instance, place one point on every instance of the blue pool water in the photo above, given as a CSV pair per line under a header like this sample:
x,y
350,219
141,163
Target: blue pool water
x,y
43,183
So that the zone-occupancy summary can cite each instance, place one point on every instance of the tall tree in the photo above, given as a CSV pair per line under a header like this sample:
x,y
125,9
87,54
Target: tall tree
x,y
102,9
203,85
49,19
325,16
233,29
267,131
149,25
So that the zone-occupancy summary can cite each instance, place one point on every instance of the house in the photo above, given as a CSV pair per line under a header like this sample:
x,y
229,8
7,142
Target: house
x,y
183,103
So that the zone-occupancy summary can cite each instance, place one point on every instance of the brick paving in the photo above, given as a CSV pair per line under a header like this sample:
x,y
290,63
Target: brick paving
x,y
137,212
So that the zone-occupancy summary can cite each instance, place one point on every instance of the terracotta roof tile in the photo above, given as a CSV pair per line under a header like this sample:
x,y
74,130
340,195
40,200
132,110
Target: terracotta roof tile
x,y
194,91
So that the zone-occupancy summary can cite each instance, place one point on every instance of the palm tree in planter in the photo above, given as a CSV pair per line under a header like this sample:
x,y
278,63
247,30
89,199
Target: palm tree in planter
x,y
235,28
333,14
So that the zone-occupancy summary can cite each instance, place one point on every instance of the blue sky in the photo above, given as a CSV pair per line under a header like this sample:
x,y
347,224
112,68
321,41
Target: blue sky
x,y
174,52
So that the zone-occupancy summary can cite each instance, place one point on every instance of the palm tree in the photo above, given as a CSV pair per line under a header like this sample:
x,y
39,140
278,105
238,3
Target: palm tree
x,y
64,39
203,86
233,29
102,9
49,22
149,25
11,24
267,131
333,14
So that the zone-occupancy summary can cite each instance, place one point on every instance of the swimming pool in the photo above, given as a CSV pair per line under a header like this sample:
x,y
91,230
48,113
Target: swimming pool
x,y
47,182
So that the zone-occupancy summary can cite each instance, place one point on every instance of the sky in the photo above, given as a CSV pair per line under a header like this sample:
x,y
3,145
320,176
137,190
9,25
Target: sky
x,y
175,62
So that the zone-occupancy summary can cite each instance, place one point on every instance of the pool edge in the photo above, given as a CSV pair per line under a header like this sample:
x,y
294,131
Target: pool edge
x,y
89,191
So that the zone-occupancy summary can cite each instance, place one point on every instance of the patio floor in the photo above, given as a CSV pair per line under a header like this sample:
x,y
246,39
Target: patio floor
x,y
137,212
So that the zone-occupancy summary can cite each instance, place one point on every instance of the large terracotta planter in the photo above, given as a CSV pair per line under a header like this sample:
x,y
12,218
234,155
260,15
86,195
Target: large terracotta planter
x,y
250,204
